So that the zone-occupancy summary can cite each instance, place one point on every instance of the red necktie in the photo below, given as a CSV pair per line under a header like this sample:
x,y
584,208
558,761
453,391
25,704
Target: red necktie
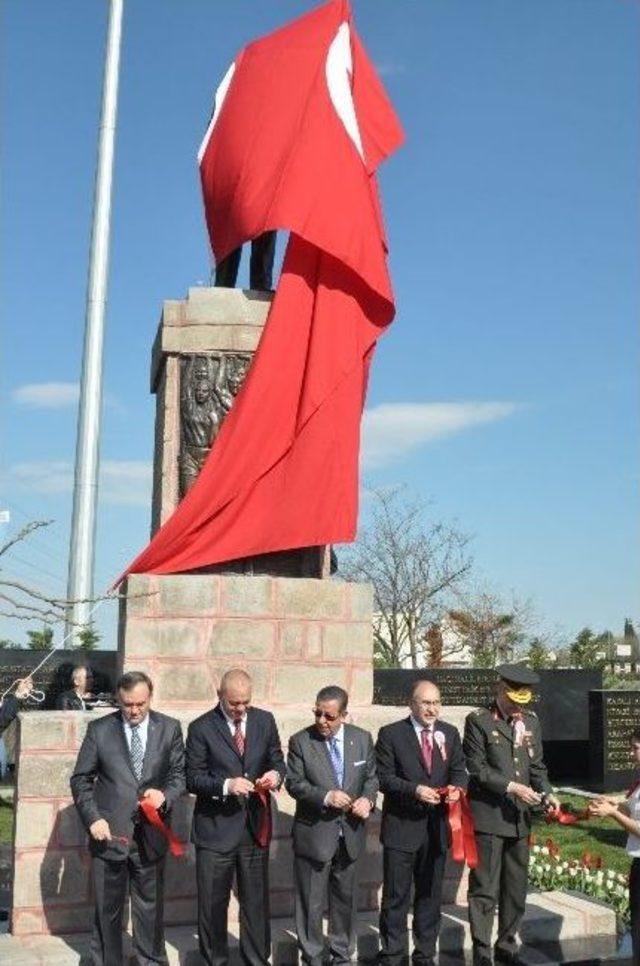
x,y
427,748
238,738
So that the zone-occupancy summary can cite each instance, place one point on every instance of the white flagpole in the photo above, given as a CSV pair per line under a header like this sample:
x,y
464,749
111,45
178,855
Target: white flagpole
x,y
85,489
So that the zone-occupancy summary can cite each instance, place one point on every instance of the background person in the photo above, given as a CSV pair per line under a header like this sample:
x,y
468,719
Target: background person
x,y
416,756
11,702
131,754
75,698
507,776
627,814
233,750
331,773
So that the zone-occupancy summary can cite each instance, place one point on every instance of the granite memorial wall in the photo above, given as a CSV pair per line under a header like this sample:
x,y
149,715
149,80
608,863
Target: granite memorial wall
x,y
614,716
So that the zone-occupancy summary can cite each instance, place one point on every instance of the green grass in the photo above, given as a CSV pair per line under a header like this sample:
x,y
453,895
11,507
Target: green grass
x,y
6,822
599,837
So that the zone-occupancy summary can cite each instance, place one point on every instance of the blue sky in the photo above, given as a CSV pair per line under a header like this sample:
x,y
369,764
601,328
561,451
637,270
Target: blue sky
x,y
506,390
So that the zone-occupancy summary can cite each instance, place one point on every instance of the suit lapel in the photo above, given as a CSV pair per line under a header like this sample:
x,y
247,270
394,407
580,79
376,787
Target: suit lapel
x,y
251,735
349,756
499,724
220,722
319,746
153,743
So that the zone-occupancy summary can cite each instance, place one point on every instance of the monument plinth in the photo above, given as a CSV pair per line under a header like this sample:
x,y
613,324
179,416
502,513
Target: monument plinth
x,y
293,635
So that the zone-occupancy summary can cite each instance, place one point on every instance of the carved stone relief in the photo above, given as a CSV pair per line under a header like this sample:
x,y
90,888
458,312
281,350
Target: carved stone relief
x,y
208,385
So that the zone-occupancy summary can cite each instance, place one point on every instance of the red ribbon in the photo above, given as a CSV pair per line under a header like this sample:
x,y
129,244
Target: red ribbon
x,y
266,823
564,816
461,827
153,817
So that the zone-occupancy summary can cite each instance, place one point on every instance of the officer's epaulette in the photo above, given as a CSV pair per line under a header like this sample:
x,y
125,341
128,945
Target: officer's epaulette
x,y
480,711
530,712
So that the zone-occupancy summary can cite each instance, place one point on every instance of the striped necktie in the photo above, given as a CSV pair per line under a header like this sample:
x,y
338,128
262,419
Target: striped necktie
x,y
336,760
238,738
137,754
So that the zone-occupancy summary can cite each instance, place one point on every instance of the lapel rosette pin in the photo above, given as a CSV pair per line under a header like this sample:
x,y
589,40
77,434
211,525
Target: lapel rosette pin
x,y
439,739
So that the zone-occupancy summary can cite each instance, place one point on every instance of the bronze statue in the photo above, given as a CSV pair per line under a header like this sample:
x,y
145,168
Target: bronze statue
x,y
260,268
208,386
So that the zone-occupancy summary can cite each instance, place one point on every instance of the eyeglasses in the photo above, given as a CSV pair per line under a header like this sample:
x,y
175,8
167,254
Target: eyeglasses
x,y
323,714
428,704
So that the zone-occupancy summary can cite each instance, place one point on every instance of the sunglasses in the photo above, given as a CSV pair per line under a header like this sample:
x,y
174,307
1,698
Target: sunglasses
x,y
323,714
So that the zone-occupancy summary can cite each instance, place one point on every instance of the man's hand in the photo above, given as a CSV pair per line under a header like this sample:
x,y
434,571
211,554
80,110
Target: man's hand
x,y
155,796
269,781
240,786
25,687
524,793
100,831
361,808
552,801
338,799
429,796
453,793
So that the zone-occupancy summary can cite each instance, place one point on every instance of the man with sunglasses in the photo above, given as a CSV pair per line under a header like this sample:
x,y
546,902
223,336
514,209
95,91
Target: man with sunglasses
x,y
332,776
507,777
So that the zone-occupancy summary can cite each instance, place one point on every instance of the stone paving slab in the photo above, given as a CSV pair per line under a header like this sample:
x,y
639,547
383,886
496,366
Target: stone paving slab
x,y
553,924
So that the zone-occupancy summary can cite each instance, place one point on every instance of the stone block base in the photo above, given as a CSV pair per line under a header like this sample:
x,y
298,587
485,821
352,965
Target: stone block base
x,y
293,635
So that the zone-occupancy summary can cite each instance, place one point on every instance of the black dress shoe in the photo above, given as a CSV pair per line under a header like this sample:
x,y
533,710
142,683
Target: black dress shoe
x,y
482,960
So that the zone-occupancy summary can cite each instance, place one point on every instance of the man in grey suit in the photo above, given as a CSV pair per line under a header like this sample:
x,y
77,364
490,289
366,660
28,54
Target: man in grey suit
x,y
331,774
132,754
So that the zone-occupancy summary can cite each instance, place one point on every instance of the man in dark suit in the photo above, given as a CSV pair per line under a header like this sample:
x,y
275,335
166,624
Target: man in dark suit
x,y
132,754
416,757
10,704
234,761
331,773
507,776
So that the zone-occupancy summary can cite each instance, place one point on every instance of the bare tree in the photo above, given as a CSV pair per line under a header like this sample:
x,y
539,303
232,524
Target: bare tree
x,y
23,602
491,630
413,564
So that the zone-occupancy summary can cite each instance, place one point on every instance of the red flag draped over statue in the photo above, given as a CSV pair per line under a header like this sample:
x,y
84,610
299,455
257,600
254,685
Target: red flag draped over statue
x,y
300,124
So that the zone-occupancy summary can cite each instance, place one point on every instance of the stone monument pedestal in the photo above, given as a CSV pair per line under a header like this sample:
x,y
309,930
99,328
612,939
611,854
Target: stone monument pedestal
x,y
293,635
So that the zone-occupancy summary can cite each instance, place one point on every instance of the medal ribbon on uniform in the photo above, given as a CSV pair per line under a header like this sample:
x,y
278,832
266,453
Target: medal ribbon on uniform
x,y
152,816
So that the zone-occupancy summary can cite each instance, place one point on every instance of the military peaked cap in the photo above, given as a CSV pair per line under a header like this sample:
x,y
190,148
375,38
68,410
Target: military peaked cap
x,y
518,674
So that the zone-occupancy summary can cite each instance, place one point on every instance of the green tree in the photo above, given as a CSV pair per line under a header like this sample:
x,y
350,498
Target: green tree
x,y
589,650
538,655
88,638
40,640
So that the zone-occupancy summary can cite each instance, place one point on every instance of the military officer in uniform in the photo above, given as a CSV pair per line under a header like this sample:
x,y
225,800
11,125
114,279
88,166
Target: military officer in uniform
x,y
507,777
